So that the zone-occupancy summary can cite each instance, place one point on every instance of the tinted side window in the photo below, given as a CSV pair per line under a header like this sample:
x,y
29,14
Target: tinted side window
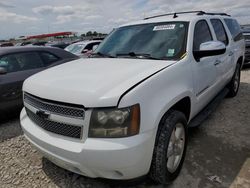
x,y
201,34
21,61
10,63
220,31
30,60
90,46
48,58
234,29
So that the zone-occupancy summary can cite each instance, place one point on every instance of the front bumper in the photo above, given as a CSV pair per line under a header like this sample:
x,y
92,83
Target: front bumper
x,y
123,158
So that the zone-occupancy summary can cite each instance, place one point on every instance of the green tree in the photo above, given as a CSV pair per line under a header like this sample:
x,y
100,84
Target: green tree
x,y
89,33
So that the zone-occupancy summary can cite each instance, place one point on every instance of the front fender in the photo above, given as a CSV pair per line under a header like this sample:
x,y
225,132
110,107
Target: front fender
x,y
160,92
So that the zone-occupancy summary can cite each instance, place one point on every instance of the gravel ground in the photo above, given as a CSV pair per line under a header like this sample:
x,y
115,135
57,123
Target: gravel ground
x,y
216,152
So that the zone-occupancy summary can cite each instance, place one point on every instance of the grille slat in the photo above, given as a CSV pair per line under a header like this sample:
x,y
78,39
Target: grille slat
x,y
48,124
55,127
58,109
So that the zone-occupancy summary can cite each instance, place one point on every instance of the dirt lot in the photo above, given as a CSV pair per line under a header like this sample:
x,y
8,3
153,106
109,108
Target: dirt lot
x,y
216,152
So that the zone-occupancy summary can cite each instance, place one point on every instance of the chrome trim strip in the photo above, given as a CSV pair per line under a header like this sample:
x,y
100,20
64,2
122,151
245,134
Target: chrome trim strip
x,y
202,91
53,104
57,118
64,106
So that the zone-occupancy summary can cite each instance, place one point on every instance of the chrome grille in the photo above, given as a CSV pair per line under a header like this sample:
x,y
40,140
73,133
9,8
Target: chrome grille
x,y
54,107
55,127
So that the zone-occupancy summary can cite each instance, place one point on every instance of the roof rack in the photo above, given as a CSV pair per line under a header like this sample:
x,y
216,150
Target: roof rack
x,y
210,13
175,14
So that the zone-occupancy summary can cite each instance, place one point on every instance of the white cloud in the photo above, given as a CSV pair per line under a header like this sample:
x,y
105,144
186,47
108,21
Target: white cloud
x,y
92,17
47,9
6,5
64,14
102,16
241,8
66,10
13,17
119,21
61,19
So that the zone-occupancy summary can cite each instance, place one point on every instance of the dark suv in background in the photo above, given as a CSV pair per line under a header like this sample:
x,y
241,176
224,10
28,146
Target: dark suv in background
x,y
246,34
18,63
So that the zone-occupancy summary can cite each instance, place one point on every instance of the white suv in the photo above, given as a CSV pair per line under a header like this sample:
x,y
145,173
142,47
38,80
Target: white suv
x,y
124,113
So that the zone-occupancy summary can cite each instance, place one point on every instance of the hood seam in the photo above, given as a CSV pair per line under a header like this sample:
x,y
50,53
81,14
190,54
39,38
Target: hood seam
x,y
138,83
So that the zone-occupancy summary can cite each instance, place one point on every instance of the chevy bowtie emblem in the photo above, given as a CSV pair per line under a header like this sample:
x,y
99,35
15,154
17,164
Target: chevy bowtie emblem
x,y
42,114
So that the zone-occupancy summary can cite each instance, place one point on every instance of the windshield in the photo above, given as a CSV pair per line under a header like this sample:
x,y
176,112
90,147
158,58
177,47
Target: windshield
x,y
75,48
165,40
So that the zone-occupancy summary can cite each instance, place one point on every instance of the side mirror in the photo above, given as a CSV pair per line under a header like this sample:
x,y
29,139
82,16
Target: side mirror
x,y
211,48
3,70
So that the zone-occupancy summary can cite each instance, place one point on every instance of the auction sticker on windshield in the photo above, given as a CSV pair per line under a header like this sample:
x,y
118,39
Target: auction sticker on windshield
x,y
164,27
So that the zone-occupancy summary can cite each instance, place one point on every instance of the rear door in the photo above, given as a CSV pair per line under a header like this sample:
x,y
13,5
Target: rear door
x,y
49,59
237,41
19,67
223,62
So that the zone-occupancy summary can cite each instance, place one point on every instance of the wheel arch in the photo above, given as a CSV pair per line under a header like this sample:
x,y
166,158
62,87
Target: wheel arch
x,y
182,105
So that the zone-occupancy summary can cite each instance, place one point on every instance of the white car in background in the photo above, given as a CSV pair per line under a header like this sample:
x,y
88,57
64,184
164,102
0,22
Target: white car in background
x,y
83,48
125,112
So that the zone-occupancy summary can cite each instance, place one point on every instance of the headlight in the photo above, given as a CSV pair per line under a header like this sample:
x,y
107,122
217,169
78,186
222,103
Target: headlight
x,y
115,122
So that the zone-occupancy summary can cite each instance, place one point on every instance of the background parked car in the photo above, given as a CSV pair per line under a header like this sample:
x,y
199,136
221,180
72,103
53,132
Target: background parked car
x,y
40,43
83,48
61,45
23,43
6,44
18,63
246,34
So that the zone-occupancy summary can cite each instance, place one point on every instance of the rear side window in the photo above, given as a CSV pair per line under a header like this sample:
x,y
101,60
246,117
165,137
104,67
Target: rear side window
x,y
220,31
201,34
90,46
48,58
234,29
21,61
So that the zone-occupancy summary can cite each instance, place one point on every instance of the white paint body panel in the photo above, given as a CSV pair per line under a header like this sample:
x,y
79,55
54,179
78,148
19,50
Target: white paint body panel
x,y
94,82
104,82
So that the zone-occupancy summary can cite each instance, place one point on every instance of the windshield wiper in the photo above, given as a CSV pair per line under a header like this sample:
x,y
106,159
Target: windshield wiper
x,y
137,55
102,55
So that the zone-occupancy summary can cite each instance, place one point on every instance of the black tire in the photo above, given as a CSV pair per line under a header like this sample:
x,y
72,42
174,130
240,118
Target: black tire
x,y
159,171
234,84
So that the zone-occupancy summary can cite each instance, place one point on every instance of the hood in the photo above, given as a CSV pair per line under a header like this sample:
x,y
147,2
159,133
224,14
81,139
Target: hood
x,y
92,82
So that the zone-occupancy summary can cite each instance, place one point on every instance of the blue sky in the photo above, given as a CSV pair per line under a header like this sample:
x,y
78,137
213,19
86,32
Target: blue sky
x,y
29,17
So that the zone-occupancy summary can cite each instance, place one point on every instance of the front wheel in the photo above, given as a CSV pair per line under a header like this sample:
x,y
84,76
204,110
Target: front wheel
x,y
234,84
170,148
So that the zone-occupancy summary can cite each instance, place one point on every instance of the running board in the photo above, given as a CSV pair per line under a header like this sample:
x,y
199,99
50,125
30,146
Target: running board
x,y
201,116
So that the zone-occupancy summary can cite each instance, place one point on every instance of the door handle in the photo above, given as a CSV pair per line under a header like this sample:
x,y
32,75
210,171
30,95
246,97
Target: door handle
x,y
217,62
230,53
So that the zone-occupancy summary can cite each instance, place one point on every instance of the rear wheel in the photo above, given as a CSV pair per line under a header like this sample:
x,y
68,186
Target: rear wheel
x,y
170,148
234,84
